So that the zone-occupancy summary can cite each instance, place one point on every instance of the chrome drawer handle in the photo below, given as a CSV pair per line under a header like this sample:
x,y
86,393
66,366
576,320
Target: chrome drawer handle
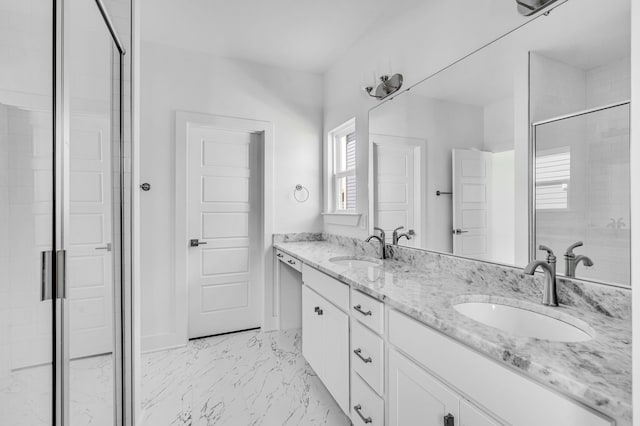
x,y
291,262
359,353
364,419
359,309
280,255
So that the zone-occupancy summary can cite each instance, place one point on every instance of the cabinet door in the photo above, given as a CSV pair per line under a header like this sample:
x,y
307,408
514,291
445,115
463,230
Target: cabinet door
x,y
470,415
415,397
336,354
312,330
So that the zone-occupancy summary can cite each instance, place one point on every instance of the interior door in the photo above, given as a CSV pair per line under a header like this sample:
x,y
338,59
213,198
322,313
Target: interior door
x,y
415,397
89,250
223,222
471,202
397,171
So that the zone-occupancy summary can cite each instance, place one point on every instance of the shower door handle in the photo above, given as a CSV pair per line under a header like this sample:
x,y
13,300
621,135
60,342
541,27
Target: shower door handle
x,y
46,275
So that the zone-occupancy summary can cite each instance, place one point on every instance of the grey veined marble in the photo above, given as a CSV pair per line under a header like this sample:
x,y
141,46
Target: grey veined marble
x,y
424,285
248,378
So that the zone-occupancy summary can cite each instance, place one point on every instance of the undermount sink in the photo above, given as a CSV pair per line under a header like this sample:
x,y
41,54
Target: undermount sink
x,y
522,321
356,261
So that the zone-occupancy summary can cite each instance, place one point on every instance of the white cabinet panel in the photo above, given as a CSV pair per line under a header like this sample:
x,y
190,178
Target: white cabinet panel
x,y
368,311
325,344
367,356
470,415
415,397
311,329
335,345
367,408
331,289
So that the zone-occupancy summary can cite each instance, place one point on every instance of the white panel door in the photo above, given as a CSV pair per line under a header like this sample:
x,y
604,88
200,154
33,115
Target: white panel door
x,y
223,215
396,172
415,397
89,252
471,201
312,345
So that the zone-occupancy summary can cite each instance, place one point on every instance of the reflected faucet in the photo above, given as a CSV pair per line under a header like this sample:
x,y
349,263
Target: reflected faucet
x,y
381,240
408,235
571,261
549,293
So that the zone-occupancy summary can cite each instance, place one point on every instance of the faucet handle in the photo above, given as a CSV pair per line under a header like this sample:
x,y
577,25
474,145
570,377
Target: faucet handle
x,y
382,235
569,251
550,256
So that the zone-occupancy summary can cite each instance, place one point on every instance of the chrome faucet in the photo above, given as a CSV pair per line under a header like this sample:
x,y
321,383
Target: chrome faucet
x,y
571,261
408,235
549,293
381,240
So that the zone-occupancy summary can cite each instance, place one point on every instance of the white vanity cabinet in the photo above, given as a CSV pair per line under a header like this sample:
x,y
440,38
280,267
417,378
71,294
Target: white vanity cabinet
x,y
496,389
325,333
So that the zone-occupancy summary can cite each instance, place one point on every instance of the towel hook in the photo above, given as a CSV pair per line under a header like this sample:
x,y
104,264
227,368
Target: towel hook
x,y
301,194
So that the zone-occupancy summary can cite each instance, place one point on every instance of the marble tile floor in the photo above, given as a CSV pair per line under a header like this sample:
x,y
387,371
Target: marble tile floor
x,y
241,379
25,395
249,378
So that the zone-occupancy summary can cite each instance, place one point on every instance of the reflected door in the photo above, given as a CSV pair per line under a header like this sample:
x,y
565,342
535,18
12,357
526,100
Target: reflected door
x,y
471,200
397,171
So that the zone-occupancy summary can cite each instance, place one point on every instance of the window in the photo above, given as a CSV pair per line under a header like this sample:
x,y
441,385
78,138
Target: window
x,y
553,176
343,168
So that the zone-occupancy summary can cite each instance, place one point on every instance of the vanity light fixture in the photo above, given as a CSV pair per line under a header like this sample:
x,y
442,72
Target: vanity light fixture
x,y
388,86
529,7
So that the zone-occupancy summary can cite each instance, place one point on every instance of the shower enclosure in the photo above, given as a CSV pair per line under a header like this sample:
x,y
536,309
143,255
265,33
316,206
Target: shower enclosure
x,y
61,214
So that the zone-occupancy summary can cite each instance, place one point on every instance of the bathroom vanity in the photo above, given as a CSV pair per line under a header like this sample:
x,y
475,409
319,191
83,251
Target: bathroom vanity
x,y
388,342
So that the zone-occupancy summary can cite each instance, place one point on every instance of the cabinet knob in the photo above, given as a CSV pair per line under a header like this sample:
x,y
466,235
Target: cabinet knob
x,y
449,420
291,262
318,310
280,255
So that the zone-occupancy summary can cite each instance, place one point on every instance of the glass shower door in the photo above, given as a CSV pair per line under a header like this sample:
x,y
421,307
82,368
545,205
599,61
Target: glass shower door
x,y
26,212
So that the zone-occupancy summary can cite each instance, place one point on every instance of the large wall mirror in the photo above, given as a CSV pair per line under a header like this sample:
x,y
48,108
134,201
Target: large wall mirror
x,y
524,142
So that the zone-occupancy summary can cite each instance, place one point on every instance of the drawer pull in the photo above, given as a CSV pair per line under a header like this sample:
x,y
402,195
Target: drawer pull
x,y
449,420
291,262
358,352
359,309
364,419
280,255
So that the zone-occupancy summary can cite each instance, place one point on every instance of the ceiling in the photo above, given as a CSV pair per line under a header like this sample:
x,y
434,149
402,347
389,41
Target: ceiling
x,y
306,35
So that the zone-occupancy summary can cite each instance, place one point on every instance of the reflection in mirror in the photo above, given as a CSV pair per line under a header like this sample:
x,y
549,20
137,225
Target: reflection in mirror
x,y
450,157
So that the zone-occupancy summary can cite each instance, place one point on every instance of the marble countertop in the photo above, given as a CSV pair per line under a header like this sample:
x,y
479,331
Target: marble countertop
x,y
596,372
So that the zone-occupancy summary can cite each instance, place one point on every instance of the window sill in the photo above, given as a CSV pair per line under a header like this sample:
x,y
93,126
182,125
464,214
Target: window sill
x,y
344,219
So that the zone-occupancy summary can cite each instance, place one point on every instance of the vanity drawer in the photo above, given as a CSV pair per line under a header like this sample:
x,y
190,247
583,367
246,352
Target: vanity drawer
x,y
329,288
367,356
289,260
367,408
368,311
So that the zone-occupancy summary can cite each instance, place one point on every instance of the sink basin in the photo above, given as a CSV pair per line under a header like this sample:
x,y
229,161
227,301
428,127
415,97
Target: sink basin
x,y
526,321
356,261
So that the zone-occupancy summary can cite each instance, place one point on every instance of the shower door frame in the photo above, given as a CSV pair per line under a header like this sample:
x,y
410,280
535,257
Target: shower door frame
x,y
122,352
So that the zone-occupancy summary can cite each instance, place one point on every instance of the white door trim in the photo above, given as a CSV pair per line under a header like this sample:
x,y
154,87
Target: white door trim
x,y
182,123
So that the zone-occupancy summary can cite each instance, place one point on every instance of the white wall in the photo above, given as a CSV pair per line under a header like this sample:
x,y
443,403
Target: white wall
x,y
417,43
175,79
503,212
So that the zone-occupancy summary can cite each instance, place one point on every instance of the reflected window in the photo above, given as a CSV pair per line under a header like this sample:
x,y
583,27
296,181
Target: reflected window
x,y
343,148
553,176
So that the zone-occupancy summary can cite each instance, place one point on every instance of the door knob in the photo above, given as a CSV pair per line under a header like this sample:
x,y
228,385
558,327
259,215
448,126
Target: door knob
x,y
196,243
